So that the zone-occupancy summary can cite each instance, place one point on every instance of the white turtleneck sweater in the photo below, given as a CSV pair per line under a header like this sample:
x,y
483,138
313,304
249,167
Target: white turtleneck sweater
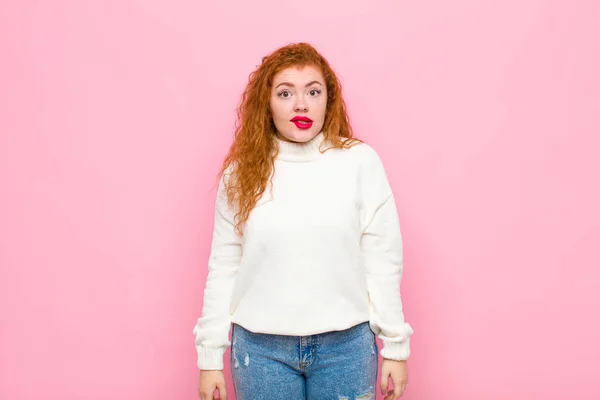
x,y
321,251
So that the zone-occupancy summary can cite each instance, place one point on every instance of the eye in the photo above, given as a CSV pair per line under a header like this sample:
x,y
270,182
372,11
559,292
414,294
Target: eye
x,y
314,92
284,94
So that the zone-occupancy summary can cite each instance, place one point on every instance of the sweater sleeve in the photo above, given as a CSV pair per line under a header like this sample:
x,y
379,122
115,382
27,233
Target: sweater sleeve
x,y
381,245
212,329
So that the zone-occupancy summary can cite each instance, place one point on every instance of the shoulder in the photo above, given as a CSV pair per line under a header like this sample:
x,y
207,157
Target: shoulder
x,y
365,155
371,173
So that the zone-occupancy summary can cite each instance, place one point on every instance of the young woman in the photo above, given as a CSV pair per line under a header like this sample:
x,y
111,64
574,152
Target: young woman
x,y
306,255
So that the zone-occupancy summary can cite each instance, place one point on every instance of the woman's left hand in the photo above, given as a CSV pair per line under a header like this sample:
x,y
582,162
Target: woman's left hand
x,y
398,371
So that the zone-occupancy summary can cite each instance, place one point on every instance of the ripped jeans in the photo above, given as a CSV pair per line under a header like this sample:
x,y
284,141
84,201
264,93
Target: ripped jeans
x,y
339,365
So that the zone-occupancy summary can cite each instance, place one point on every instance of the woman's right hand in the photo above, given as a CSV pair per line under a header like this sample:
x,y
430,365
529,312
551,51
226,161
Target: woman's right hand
x,y
210,381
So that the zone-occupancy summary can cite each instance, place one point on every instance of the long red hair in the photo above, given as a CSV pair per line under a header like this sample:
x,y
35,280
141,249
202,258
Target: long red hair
x,y
250,160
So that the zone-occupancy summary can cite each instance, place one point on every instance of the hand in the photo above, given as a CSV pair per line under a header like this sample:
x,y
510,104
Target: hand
x,y
209,382
398,371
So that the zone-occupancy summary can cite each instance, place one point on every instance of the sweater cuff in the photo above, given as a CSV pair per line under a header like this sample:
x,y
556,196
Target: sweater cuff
x,y
210,358
396,350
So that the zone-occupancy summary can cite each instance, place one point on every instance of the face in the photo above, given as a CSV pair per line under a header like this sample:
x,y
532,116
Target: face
x,y
298,103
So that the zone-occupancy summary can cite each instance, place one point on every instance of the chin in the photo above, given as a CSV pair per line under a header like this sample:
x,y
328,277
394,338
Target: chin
x,y
301,136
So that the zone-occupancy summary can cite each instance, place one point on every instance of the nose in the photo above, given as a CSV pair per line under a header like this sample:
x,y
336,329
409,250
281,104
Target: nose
x,y
300,105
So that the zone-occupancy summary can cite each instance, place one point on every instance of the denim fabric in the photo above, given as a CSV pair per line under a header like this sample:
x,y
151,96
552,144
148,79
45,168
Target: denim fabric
x,y
339,365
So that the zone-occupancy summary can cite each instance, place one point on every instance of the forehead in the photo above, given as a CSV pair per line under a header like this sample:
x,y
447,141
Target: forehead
x,y
299,75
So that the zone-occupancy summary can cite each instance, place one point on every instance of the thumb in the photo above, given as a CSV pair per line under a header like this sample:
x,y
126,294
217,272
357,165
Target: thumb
x,y
384,383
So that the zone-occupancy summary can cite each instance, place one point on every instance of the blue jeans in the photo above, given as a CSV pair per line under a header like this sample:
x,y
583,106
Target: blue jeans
x,y
339,365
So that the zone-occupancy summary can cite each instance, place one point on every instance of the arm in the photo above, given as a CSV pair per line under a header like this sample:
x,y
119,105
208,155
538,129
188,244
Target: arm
x,y
381,245
212,329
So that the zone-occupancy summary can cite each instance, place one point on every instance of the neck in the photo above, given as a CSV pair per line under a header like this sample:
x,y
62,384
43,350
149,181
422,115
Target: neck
x,y
299,152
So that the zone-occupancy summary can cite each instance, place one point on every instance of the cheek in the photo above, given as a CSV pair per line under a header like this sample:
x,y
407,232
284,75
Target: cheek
x,y
277,110
322,107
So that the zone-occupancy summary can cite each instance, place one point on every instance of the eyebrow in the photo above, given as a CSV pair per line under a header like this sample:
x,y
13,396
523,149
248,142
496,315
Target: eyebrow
x,y
291,85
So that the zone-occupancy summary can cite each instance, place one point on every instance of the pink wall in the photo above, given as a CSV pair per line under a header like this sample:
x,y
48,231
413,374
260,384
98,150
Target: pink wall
x,y
114,116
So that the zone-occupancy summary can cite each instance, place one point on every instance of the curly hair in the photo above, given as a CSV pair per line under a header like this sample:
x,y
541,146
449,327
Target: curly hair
x,y
250,161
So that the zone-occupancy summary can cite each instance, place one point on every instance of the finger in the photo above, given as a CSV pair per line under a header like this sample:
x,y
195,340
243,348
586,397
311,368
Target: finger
x,y
399,385
390,395
398,390
206,396
222,391
403,387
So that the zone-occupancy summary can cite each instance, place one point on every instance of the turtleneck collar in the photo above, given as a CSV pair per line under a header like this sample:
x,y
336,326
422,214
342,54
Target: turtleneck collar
x,y
300,152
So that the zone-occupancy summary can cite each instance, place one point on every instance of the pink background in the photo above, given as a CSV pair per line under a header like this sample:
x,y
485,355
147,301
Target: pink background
x,y
115,116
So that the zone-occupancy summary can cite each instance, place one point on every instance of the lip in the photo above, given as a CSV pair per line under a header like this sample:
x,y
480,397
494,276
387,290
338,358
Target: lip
x,y
301,118
302,122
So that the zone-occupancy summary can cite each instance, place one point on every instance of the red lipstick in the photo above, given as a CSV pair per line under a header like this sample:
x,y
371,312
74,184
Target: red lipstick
x,y
302,122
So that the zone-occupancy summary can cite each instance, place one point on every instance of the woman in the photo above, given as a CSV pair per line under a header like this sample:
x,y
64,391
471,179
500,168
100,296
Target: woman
x,y
306,256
